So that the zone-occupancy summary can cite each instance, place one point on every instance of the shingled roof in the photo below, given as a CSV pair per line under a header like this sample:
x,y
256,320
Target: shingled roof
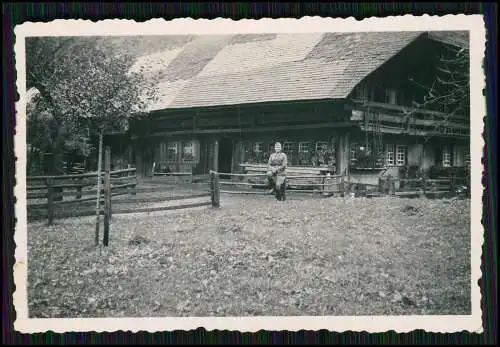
x,y
240,69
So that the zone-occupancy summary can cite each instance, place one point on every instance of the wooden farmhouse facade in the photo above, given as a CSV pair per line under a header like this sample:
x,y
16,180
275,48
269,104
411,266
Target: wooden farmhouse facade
x,y
345,101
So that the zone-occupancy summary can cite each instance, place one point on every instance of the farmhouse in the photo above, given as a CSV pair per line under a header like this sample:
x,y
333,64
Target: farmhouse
x,y
349,102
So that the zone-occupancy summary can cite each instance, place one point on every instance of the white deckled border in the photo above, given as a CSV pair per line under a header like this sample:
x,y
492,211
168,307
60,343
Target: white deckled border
x,y
472,23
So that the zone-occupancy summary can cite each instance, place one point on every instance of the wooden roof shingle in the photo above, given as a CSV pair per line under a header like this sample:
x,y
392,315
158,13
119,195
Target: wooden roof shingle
x,y
240,69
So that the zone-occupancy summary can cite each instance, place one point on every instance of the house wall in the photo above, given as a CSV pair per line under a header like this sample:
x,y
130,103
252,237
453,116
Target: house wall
x,y
303,148
243,126
430,157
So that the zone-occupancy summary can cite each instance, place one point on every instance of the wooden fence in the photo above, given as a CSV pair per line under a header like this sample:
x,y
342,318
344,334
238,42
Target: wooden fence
x,y
322,182
427,186
326,185
80,191
48,194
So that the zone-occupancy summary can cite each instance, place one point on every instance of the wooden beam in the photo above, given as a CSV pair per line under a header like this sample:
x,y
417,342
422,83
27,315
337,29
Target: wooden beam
x,y
399,119
180,110
414,132
401,108
260,129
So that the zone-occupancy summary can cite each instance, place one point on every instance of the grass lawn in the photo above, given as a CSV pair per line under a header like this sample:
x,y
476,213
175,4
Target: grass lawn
x,y
258,256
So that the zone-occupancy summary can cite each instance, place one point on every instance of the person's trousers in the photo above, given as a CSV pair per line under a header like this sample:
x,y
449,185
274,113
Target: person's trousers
x,y
275,180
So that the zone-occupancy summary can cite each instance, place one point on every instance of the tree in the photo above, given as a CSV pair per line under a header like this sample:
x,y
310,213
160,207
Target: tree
x,y
449,91
85,87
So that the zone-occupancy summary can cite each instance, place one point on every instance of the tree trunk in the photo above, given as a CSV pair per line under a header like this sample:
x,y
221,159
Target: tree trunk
x,y
98,201
57,164
58,155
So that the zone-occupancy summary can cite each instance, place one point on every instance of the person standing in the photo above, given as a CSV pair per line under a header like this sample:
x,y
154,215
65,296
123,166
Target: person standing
x,y
276,168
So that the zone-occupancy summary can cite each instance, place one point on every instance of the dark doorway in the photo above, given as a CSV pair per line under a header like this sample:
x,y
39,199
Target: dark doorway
x,y
225,156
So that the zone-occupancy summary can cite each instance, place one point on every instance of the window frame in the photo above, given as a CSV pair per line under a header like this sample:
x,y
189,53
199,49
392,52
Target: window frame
x,y
301,151
172,146
353,150
404,154
390,149
288,147
467,160
191,146
395,154
391,96
259,146
446,156
323,144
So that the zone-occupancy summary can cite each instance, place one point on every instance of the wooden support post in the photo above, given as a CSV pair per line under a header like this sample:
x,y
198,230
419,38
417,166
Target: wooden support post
x,y
50,201
216,156
342,154
107,195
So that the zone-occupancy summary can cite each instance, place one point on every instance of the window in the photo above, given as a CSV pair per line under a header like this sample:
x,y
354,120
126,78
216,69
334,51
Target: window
x,y
391,96
172,151
353,154
303,147
258,147
449,131
172,146
446,157
395,155
188,148
289,147
188,151
362,91
401,155
321,146
467,156
389,155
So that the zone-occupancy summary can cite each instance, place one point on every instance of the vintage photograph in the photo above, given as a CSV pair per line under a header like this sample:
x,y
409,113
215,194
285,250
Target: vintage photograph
x,y
250,174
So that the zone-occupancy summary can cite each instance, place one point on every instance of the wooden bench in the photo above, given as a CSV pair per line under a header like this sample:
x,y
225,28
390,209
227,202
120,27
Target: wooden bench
x,y
299,178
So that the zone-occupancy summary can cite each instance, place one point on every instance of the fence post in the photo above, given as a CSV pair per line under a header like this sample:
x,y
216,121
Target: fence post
x,y
285,183
135,179
341,185
392,186
79,188
214,189
50,201
211,186
217,190
107,195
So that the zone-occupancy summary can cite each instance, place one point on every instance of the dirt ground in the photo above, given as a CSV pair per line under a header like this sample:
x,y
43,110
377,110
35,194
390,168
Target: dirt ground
x,y
257,256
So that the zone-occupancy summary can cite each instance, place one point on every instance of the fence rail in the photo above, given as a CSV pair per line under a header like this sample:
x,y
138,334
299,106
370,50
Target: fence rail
x,y
288,185
328,184
83,188
53,190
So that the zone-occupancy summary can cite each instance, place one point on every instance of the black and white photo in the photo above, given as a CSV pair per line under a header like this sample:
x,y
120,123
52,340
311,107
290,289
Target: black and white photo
x,y
280,174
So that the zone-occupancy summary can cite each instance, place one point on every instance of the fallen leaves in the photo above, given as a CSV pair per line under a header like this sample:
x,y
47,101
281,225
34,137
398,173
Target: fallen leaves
x,y
253,256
